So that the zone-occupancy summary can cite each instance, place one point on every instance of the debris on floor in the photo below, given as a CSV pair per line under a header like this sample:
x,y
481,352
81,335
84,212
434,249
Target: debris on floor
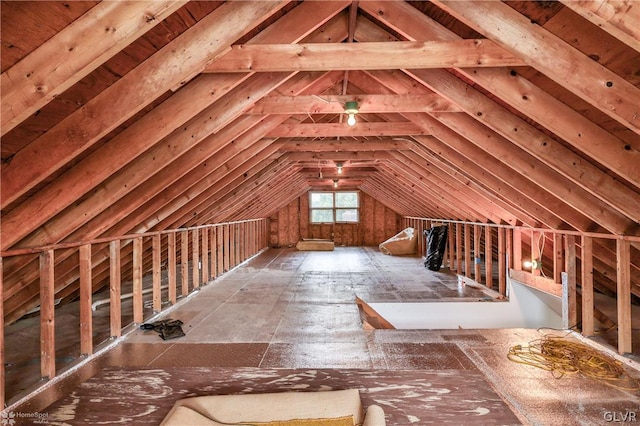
x,y
166,329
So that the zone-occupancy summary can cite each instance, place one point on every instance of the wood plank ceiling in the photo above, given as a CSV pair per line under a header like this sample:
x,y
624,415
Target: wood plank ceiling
x,y
122,117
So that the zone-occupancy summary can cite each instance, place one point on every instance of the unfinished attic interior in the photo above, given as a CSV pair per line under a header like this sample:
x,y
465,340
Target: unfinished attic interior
x,y
165,159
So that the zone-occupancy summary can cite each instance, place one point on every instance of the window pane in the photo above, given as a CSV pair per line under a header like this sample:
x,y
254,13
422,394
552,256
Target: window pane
x,y
346,199
346,215
321,216
321,199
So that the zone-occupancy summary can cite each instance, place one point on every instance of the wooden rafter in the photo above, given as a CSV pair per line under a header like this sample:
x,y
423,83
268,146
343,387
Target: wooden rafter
x,y
471,100
619,18
178,60
135,140
73,53
573,127
551,55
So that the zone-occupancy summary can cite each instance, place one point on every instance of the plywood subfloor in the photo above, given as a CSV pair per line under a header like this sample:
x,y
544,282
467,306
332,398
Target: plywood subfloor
x,y
287,320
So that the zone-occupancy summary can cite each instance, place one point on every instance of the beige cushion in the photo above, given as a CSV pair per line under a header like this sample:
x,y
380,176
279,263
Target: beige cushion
x,y
266,407
339,421
185,416
374,417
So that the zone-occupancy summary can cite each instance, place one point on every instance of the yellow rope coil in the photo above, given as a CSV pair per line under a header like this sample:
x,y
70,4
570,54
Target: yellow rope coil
x,y
561,356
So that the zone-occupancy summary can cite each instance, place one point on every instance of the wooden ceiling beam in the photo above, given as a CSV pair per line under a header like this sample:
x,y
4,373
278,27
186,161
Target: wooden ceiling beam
x,y
176,62
377,193
552,56
363,56
181,210
338,156
196,192
121,150
548,151
73,53
327,145
218,197
582,133
351,182
200,192
328,178
573,197
348,168
367,104
372,190
403,83
171,196
332,130
315,23
619,18
198,210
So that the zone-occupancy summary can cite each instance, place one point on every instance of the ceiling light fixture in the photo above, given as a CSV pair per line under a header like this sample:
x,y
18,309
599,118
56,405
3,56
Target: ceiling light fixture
x,y
339,167
351,109
335,183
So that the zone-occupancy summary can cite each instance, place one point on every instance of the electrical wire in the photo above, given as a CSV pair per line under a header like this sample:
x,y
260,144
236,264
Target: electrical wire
x,y
562,357
541,251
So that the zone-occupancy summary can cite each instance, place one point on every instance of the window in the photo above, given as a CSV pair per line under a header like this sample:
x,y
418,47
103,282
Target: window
x,y
330,207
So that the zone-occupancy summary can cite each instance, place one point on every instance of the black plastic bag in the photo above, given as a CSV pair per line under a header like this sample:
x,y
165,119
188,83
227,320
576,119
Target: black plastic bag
x,y
436,244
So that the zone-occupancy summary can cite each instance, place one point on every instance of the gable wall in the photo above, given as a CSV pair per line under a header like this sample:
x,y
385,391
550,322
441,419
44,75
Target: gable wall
x,y
377,223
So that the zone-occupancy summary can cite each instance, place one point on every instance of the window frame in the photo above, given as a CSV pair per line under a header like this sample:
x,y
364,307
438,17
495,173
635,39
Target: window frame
x,y
333,208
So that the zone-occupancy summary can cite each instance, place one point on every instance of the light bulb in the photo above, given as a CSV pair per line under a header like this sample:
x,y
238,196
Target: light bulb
x,y
351,121
532,264
335,183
